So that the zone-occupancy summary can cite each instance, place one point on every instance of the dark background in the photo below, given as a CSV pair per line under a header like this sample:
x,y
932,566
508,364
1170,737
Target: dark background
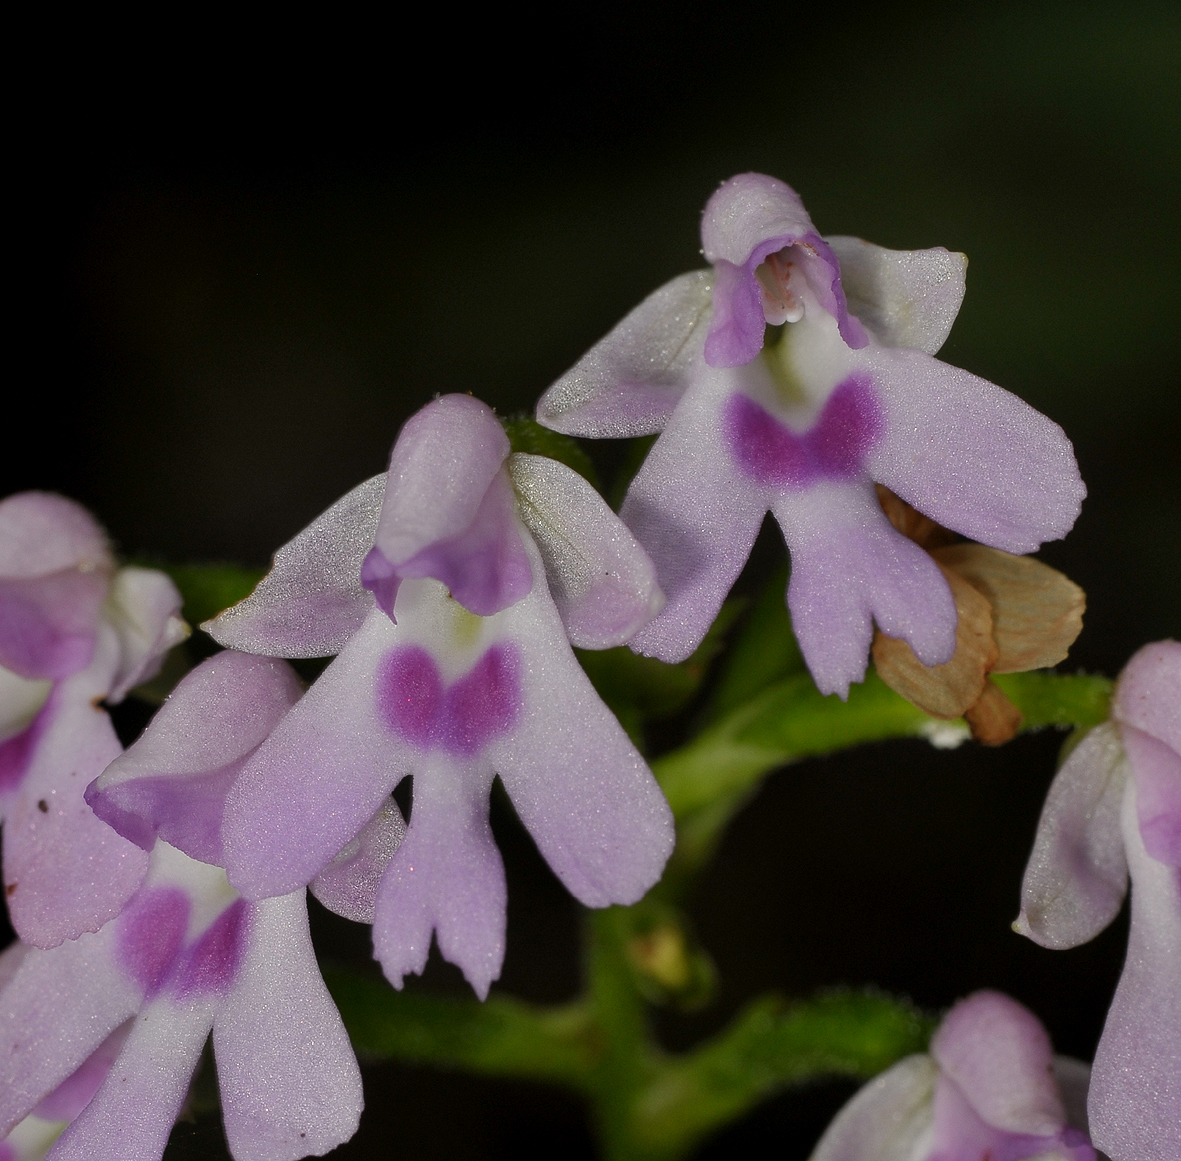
x,y
244,255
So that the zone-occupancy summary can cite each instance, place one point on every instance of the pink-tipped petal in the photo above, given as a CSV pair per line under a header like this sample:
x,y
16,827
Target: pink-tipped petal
x,y
849,568
970,455
41,533
289,1080
960,1133
629,382
750,217
47,624
737,325
1001,1060
449,510
173,781
1077,874
55,565
1135,1094
348,885
601,580
907,298
578,784
1157,768
55,1010
696,514
143,607
447,877
312,601
484,566
143,1093
319,777
65,871
1148,695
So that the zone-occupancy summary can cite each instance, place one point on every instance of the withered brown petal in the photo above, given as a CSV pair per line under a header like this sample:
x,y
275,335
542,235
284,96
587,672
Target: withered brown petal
x,y
943,691
994,719
910,522
1037,612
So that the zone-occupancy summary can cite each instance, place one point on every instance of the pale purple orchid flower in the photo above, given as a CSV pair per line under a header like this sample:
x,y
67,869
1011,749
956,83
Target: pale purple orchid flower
x,y
74,632
485,567
1114,808
990,1090
186,956
850,394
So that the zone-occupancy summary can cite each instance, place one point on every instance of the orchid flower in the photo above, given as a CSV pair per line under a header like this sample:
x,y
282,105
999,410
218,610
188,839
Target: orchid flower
x,y
451,589
185,956
1114,808
848,395
990,1090
74,631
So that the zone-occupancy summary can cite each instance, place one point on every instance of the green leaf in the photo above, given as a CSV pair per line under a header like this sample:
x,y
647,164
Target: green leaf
x,y
527,435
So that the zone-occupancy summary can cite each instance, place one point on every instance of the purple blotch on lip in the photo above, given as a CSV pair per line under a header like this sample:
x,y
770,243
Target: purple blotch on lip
x,y
210,965
150,934
461,719
834,448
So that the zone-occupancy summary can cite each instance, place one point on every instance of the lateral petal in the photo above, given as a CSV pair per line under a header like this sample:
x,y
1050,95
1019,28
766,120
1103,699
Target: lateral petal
x,y
312,600
907,298
601,580
1077,873
696,515
289,1080
629,382
330,763
970,455
348,885
887,1119
143,606
173,780
1157,768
